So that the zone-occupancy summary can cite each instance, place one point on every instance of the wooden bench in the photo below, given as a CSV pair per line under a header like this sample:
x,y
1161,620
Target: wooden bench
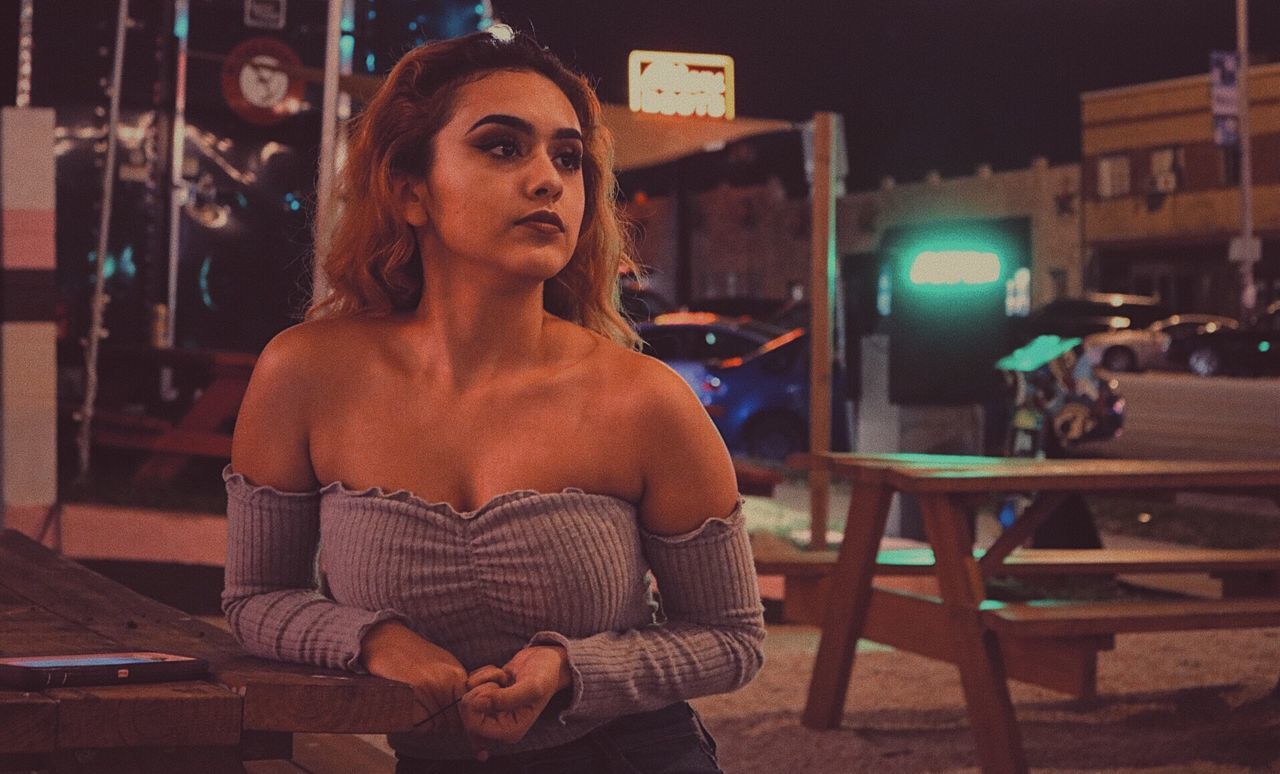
x,y
1254,573
1082,619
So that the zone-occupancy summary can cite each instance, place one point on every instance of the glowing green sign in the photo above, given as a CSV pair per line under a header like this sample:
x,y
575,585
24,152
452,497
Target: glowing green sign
x,y
955,267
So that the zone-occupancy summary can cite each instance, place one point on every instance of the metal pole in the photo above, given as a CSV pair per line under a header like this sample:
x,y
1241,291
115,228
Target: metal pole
x,y
822,282
100,299
177,186
1248,291
328,133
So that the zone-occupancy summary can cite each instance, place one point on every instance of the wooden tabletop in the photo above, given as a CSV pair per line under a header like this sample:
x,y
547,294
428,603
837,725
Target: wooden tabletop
x,y
911,472
1090,475
49,604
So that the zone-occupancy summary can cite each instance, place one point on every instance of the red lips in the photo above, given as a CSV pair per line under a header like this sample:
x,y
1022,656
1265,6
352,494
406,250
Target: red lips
x,y
546,217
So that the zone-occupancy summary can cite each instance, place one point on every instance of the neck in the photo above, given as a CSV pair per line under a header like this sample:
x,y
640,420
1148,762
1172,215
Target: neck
x,y
475,327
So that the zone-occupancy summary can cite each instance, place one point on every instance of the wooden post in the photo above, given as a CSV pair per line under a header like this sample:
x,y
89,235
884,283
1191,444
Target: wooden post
x,y
824,274
28,331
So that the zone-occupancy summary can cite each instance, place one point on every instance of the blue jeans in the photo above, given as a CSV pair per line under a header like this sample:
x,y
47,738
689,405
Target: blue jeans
x,y
671,740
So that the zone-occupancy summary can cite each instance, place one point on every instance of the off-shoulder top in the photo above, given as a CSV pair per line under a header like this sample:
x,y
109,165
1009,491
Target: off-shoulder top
x,y
309,573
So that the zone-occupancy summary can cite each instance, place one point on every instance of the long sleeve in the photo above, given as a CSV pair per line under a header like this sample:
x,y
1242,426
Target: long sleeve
x,y
710,643
270,596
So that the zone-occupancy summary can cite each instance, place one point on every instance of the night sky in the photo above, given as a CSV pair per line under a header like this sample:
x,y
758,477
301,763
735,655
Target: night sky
x,y
923,84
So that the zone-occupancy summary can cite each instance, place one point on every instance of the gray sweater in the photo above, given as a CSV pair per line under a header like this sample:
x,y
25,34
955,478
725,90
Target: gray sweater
x,y
309,573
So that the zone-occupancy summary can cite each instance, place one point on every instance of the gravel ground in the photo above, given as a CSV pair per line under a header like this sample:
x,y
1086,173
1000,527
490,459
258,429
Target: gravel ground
x,y
1191,702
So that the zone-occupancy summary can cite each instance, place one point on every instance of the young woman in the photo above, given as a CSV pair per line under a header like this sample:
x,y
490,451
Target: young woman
x,y
459,473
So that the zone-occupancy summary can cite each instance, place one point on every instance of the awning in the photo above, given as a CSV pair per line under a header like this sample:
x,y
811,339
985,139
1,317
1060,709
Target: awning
x,y
645,140
640,139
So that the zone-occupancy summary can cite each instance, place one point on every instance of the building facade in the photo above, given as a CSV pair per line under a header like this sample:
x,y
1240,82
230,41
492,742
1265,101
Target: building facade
x,y
1162,201
1046,196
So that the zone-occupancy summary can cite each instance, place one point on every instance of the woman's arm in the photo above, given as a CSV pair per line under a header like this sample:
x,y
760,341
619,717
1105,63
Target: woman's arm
x,y
695,539
271,598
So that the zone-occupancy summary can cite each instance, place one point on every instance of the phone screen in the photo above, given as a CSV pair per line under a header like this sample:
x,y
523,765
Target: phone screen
x,y
74,661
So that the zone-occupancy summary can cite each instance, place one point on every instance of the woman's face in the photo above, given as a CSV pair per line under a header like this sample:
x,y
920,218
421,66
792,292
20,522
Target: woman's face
x,y
505,189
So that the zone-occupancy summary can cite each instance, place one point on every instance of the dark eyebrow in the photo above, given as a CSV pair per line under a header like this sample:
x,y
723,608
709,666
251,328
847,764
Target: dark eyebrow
x,y
522,125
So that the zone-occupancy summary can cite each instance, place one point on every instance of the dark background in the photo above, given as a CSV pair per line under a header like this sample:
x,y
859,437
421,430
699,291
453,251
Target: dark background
x,y
922,84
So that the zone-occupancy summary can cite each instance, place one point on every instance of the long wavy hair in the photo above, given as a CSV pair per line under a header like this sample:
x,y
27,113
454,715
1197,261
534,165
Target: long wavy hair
x,y
373,266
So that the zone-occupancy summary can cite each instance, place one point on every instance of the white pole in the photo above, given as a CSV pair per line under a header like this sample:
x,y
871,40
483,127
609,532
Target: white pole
x,y
100,299
328,135
1248,291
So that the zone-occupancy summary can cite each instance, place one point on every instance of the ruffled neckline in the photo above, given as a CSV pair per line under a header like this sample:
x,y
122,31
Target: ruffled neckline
x,y
408,497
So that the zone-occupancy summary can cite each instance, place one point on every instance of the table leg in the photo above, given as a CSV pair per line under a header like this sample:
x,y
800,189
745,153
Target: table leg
x,y
847,605
978,656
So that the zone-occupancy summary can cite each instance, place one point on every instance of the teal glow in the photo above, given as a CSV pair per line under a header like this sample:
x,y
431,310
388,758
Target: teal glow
x,y
1039,352
181,22
205,295
884,292
955,267
1017,294
368,61
1264,346
347,46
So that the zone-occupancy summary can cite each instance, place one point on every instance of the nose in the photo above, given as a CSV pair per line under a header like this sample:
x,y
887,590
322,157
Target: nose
x,y
544,179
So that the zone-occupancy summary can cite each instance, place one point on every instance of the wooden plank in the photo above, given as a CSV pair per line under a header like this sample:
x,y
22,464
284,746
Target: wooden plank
x,y
28,722
846,611
1096,561
1068,619
277,696
911,622
1021,530
1090,475
320,701
982,671
181,713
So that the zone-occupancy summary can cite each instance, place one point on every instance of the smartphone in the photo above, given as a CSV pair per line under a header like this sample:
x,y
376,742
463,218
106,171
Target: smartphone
x,y
41,672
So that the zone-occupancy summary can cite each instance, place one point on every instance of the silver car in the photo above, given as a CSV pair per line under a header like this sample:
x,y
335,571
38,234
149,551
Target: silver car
x,y
1139,349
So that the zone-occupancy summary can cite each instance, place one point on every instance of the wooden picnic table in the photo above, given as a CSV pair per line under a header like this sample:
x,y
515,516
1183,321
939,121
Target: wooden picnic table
x,y
248,708
1047,643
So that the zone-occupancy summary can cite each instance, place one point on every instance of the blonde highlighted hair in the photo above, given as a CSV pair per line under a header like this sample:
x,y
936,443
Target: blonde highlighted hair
x,y
373,266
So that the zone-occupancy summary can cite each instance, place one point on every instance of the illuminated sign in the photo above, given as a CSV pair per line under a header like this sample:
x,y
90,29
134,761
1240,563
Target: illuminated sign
x,y
955,267
675,84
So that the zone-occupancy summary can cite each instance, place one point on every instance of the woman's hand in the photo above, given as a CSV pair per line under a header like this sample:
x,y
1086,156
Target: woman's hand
x,y
394,651
502,704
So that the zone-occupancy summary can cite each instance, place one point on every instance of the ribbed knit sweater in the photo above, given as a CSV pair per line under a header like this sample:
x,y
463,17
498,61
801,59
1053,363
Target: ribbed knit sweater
x,y
309,573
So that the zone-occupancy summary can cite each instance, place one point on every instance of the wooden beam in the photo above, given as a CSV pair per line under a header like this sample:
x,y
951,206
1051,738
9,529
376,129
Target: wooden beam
x,y
823,279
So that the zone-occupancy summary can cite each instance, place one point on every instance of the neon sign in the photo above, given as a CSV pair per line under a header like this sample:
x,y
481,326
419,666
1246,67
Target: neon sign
x,y
955,267
676,84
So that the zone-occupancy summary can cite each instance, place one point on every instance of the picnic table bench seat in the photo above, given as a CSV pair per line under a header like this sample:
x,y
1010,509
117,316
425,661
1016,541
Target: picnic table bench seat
x,y
1243,572
1082,619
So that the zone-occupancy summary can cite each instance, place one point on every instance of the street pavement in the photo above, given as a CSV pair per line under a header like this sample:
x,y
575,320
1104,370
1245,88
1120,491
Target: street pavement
x,y
1183,416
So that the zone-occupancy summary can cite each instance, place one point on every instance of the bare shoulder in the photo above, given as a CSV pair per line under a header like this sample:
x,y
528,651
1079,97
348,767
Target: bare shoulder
x,y
688,474
270,444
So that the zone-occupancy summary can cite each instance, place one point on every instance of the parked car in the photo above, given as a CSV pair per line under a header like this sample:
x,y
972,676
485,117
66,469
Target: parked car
x,y
688,341
1091,313
1139,349
760,401
642,304
1251,350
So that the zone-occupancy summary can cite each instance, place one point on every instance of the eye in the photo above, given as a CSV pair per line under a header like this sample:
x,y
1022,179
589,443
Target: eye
x,y
501,147
570,159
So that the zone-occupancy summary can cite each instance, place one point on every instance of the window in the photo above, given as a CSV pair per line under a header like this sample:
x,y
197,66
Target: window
x,y
1113,176
1166,170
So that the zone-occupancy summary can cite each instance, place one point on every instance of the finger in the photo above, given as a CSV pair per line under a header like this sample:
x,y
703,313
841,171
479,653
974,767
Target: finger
x,y
488,674
518,695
